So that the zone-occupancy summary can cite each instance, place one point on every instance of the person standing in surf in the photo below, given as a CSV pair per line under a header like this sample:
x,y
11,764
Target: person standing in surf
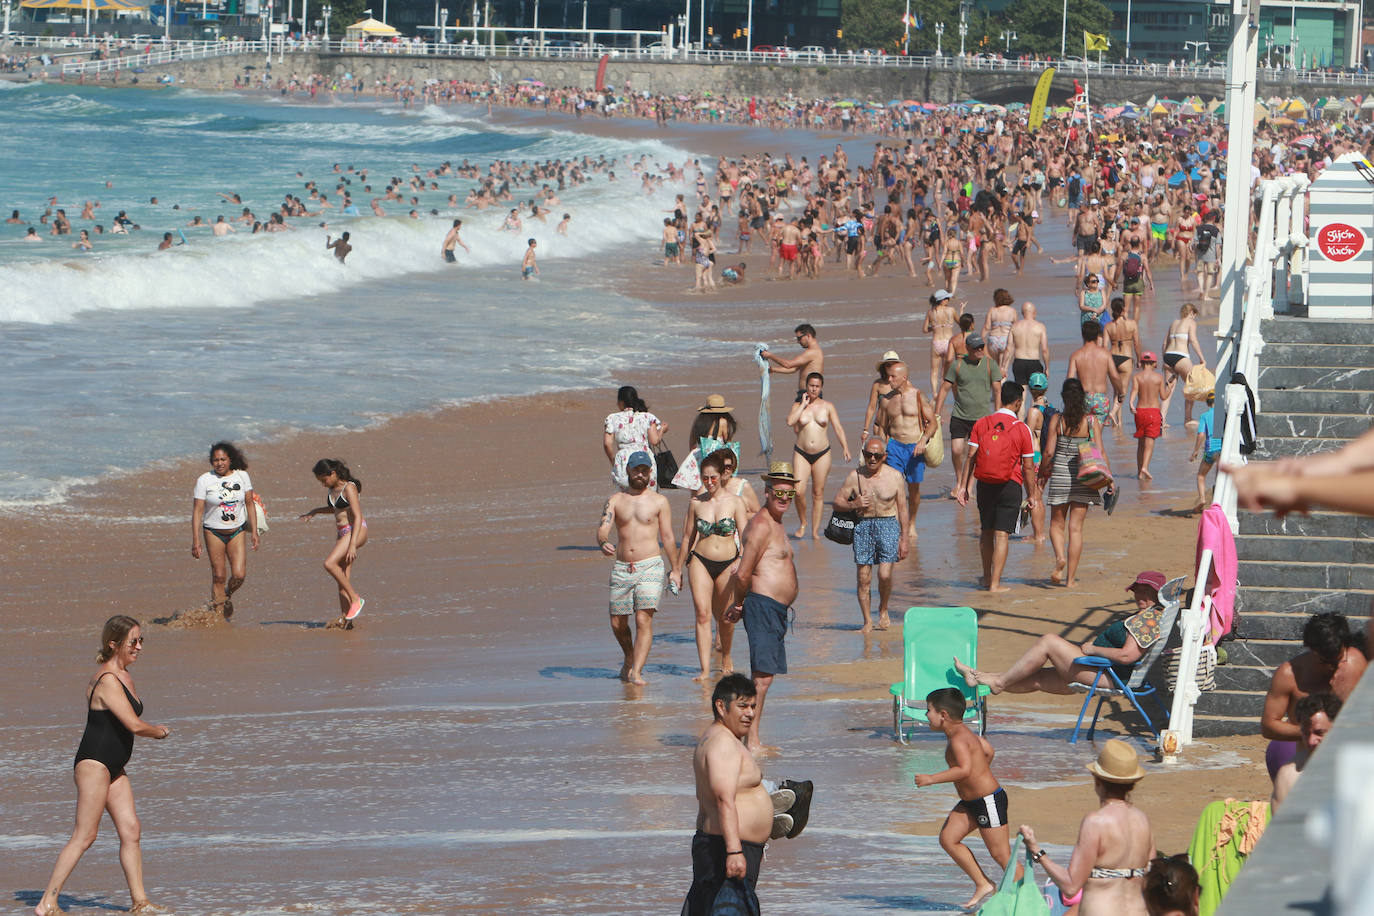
x,y
344,499
222,509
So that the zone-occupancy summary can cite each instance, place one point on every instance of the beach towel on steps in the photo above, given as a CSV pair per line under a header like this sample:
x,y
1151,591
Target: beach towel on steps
x,y
1214,534
765,429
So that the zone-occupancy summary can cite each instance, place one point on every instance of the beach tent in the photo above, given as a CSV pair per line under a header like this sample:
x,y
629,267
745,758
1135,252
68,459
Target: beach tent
x,y
369,27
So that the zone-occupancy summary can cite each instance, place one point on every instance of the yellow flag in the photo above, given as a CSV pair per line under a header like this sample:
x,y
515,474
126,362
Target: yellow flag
x,y
1039,100
1093,42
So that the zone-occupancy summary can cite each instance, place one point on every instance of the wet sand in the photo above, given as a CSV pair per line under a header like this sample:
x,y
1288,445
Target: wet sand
x,y
468,748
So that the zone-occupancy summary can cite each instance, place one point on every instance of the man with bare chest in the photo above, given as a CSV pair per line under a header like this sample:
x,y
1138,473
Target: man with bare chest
x,y
878,493
1091,364
764,587
734,811
907,419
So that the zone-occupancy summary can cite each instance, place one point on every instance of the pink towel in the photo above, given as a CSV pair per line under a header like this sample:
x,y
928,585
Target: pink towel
x,y
1214,534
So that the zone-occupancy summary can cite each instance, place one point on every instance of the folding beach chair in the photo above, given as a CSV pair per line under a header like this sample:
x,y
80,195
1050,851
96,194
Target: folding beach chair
x,y
932,637
1138,686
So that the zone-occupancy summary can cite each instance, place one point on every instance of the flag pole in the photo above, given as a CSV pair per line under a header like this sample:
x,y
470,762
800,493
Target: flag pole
x,y
906,29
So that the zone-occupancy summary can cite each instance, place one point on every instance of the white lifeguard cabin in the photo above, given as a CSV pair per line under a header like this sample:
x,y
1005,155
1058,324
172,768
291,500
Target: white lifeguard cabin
x,y
1340,259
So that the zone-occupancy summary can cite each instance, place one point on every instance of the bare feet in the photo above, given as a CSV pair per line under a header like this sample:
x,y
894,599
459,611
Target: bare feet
x,y
700,678
911,534
624,669
1145,475
884,621
799,533
968,674
1072,583
46,910
1057,577
998,588
867,627
980,894
634,677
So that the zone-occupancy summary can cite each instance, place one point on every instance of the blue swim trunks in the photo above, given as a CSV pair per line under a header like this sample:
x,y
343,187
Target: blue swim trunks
x,y
765,620
901,455
876,540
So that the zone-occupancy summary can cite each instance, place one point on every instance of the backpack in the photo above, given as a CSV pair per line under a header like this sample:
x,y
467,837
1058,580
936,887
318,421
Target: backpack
x,y
1049,412
1204,238
1133,267
999,448
1075,186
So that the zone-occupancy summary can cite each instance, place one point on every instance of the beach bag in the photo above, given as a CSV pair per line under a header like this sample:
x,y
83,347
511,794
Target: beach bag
x,y
1206,675
1092,465
666,465
261,514
1201,382
935,447
840,528
1016,898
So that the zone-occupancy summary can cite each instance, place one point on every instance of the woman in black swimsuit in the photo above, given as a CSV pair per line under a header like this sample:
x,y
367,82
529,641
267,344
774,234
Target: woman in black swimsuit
x,y
113,714
345,502
710,549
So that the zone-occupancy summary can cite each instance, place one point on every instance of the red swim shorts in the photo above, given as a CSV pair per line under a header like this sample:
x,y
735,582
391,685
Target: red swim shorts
x,y
789,252
1149,423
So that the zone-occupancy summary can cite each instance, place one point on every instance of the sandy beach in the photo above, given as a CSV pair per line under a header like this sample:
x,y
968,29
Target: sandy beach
x,y
467,748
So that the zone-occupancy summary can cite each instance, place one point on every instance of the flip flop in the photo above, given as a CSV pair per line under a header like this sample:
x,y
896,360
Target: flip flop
x,y
801,811
1109,501
355,609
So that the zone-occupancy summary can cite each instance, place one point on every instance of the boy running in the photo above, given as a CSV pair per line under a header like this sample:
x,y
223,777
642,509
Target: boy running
x,y
982,801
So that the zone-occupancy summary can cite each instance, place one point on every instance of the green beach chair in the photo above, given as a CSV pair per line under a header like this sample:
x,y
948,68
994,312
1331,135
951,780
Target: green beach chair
x,y
932,637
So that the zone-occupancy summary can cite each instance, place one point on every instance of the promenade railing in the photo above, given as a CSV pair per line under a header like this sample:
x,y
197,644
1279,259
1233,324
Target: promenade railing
x,y
1278,264
461,48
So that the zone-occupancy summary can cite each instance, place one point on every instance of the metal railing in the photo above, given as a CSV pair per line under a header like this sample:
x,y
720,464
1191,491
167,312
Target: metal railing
x,y
1280,254
173,52
551,50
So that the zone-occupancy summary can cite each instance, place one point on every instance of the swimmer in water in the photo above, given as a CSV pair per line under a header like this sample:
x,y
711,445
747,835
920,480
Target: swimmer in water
x,y
340,247
527,266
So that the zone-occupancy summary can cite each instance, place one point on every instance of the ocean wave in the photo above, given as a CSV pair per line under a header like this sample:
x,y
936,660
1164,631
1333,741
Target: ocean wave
x,y
240,271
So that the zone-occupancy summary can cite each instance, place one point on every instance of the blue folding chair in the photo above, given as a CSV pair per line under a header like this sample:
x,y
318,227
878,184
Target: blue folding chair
x,y
1137,686
932,637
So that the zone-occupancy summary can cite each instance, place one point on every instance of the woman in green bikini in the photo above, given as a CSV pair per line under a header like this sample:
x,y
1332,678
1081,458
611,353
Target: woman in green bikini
x,y
710,550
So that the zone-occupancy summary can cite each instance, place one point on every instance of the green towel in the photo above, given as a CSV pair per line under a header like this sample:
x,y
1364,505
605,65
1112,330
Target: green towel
x,y
1217,868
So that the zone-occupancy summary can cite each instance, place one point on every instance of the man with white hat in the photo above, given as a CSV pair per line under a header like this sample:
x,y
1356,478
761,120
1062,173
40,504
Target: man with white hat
x,y
765,585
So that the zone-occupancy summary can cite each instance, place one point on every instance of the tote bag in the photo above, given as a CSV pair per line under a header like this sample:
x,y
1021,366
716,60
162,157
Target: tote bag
x,y
1092,466
935,447
840,528
1017,898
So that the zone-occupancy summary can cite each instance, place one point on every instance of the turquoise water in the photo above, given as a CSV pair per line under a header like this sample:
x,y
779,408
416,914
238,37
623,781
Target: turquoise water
x,y
127,355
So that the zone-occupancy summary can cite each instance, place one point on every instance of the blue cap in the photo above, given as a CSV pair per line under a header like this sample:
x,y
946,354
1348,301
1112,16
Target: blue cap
x,y
1039,382
639,459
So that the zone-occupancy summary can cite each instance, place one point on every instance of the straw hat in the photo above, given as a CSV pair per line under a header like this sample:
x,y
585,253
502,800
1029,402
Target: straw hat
x,y
780,471
889,357
1118,762
714,404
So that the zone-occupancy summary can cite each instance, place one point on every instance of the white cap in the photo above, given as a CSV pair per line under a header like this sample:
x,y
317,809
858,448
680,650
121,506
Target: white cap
x,y
942,294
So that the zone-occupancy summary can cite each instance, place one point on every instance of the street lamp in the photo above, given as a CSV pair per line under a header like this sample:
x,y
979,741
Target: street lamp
x,y
8,4
939,34
963,25
1195,45
1008,37
328,11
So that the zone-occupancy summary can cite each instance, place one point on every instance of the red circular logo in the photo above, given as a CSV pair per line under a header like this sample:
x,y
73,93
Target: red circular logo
x,y
1340,241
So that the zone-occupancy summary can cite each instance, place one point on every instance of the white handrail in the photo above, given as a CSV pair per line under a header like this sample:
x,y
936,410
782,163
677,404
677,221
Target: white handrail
x,y
1275,244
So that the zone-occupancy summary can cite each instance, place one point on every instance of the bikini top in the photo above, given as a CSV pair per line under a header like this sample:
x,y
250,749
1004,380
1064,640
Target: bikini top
x,y
1003,324
724,527
1117,873
338,502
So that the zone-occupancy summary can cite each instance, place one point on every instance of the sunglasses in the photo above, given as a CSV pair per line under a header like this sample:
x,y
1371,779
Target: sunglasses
x,y
134,643
783,494
874,456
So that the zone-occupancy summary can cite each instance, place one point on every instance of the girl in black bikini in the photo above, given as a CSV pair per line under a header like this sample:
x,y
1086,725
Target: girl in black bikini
x,y
710,548
345,502
113,718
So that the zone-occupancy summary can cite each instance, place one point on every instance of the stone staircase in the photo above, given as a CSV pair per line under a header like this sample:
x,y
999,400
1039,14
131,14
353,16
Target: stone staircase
x,y
1316,391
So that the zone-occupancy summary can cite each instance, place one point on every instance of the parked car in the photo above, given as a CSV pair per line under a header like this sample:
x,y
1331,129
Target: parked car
x,y
562,47
658,49
770,50
812,52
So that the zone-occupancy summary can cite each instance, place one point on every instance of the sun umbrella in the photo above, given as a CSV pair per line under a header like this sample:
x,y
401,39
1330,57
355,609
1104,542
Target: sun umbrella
x,y
370,27
1179,132
1113,112
844,105
1016,106
93,5
1306,141
931,106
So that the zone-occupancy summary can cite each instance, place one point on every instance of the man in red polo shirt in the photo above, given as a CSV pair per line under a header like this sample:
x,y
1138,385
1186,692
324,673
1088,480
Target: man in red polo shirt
x,y
1000,458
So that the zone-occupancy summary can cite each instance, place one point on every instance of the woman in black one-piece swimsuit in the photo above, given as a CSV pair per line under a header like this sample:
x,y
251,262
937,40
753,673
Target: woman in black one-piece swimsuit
x,y
113,717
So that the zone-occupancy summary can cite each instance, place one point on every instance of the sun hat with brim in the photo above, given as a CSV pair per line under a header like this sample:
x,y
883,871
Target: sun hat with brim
x,y
1150,578
1117,762
780,471
714,404
889,357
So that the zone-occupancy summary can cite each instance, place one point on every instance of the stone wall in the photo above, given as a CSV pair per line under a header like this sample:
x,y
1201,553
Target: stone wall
x,y
802,81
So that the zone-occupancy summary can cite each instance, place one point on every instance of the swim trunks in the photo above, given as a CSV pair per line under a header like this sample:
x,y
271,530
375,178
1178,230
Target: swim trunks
x,y
448,256
1098,404
1211,457
527,272
1023,369
788,251
1159,230
988,811
902,456
708,873
1149,423
959,428
765,620
999,505
636,586
876,540
1134,287
670,249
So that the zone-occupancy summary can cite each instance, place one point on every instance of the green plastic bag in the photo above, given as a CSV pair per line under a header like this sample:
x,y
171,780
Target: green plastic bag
x,y
1016,898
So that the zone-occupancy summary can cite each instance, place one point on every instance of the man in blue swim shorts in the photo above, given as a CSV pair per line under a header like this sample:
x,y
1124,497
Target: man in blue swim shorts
x,y
766,586
877,493
907,418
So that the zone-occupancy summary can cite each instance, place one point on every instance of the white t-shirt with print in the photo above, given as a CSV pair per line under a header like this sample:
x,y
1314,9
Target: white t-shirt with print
x,y
225,498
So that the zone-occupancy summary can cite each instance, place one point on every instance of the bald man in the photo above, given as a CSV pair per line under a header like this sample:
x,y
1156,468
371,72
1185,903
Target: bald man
x,y
907,419
1030,346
